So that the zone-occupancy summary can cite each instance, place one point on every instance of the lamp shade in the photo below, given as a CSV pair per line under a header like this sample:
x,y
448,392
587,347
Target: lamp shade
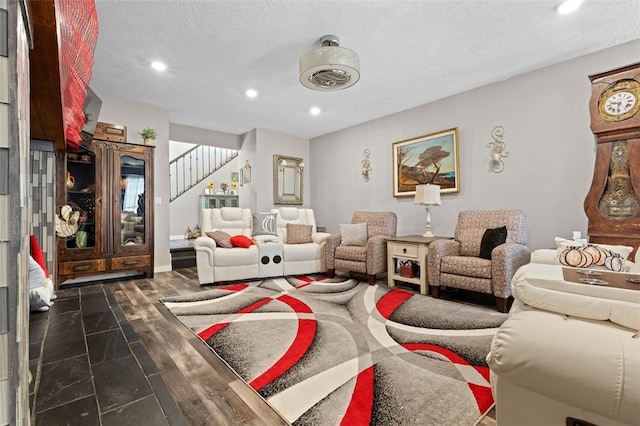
x,y
427,195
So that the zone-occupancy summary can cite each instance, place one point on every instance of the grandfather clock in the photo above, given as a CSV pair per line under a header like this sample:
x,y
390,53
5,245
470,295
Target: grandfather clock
x,y
612,204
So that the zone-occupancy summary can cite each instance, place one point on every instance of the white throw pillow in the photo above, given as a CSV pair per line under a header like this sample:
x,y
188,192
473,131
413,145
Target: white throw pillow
x,y
592,257
563,243
354,234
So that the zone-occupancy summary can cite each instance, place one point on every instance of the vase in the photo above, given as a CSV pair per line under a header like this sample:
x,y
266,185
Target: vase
x,y
81,239
149,142
71,182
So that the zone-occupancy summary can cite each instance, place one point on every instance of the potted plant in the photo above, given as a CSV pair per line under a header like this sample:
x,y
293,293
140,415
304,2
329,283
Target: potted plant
x,y
149,135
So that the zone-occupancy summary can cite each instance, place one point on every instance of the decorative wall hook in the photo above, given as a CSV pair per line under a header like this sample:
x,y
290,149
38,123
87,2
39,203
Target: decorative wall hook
x,y
366,165
497,150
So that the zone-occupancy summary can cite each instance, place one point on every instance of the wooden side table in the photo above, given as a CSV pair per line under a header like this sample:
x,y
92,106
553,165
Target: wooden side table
x,y
411,250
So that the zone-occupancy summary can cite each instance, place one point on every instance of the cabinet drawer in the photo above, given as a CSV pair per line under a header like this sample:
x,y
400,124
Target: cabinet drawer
x,y
130,262
405,250
82,266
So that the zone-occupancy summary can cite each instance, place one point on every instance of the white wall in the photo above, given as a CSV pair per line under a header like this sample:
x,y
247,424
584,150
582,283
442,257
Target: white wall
x,y
267,145
136,117
198,136
176,149
546,129
248,152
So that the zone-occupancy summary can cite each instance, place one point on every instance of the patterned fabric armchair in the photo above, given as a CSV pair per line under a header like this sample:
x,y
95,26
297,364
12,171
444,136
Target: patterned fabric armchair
x,y
371,258
456,263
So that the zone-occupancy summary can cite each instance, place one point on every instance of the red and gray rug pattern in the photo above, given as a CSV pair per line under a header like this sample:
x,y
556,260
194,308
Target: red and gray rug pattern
x,y
340,352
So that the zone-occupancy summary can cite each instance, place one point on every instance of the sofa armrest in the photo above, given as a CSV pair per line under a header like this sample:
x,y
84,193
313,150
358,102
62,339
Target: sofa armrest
x,y
377,254
319,237
204,244
546,256
437,250
266,238
506,259
332,242
590,365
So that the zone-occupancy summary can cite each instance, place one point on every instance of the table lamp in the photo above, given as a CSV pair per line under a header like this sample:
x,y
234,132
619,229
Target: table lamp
x,y
427,195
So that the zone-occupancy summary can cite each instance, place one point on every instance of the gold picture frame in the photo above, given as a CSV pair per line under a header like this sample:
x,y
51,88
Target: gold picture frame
x,y
431,158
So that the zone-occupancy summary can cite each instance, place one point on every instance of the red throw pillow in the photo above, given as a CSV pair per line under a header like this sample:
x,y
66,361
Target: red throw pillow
x,y
241,241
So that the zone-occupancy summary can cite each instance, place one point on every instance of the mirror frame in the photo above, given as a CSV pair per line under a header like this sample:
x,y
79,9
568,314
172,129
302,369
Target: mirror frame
x,y
288,173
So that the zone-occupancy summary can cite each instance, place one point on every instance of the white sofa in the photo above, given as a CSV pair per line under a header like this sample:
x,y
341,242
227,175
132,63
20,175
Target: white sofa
x,y
566,351
269,256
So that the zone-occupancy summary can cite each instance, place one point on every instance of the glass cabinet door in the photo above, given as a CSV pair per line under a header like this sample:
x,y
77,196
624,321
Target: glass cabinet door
x,y
132,202
76,217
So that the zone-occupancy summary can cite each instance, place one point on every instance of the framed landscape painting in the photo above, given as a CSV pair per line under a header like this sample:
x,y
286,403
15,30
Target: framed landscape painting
x,y
431,159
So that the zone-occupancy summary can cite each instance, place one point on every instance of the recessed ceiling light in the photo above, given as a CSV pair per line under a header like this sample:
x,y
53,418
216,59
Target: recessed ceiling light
x,y
314,111
158,66
568,6
251,93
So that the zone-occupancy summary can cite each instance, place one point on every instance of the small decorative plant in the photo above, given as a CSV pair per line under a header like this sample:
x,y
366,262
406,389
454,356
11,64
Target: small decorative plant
x,y
148,133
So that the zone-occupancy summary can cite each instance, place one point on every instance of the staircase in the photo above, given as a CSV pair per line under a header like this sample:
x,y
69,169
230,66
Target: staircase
x,y
196,165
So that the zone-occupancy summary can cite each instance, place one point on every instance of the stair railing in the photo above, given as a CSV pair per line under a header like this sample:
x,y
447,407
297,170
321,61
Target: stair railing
x,y
195,166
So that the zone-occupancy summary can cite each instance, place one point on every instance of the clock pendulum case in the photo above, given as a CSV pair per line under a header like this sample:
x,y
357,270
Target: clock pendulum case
x,y
612,204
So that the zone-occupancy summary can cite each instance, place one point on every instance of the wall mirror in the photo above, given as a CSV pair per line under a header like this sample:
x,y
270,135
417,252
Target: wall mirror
x,y
287,179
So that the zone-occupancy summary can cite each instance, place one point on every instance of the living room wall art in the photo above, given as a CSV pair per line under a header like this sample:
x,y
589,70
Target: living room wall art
x,y
246,172
431,158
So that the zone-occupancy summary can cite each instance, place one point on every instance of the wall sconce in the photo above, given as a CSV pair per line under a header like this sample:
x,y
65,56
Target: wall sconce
x,y
497,150
366,165
245,173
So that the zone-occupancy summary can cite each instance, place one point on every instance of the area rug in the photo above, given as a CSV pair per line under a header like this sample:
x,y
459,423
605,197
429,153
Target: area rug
x,y
340,352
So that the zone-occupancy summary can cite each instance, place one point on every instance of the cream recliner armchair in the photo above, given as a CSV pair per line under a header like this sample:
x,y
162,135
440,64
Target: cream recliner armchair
x,y
457,263
369,258
216,263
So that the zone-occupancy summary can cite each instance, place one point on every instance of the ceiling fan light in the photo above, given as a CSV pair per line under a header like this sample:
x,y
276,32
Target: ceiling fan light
x,y
329,67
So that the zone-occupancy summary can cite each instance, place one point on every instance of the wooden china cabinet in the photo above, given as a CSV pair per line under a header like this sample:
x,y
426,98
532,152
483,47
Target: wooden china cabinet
x,y
104,210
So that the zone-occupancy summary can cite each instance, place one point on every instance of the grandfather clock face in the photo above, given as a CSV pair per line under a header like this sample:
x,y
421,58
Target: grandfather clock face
x,y
620,101
615,102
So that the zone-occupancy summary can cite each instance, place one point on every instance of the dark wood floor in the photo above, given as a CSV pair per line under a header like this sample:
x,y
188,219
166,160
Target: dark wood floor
x,y
204,388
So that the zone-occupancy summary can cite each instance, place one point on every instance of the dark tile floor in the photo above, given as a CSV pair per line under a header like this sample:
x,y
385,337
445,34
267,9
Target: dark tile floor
x,y
89,368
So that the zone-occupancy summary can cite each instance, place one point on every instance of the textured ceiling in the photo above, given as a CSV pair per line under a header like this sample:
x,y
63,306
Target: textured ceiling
x,y
411,53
